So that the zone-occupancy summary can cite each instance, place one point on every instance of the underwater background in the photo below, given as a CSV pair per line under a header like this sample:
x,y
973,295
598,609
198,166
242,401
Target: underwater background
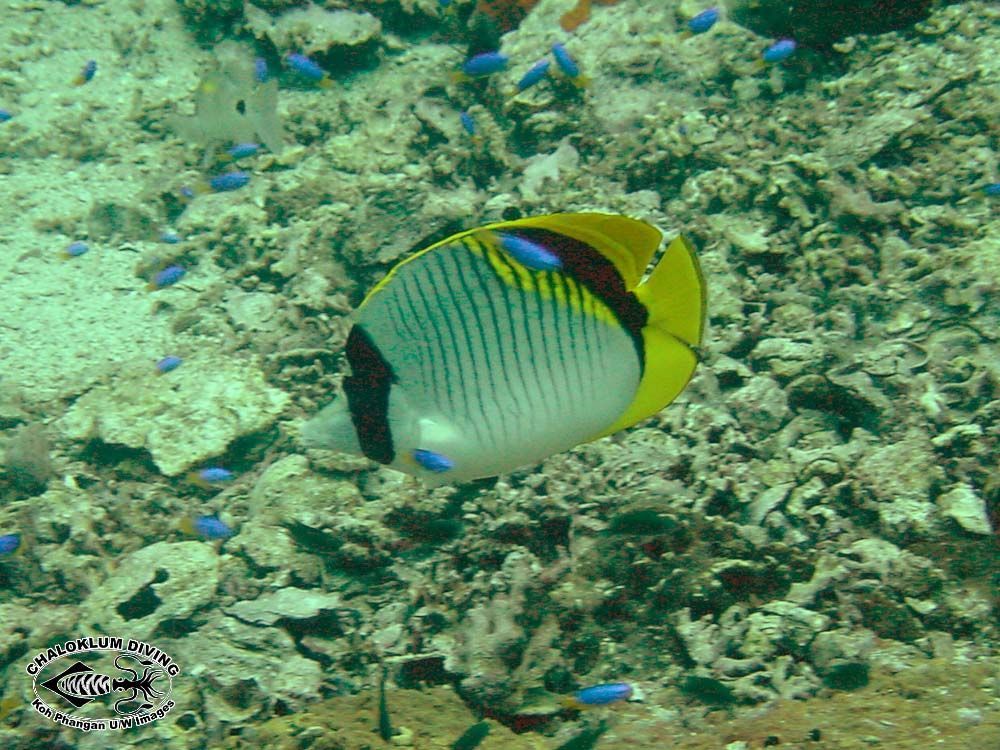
x,y
801,551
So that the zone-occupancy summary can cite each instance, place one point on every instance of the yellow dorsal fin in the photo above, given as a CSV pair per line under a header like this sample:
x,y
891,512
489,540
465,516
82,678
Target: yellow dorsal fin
x,y
628,243
674,295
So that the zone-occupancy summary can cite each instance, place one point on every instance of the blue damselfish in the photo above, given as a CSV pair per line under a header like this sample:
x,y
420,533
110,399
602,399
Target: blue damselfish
x,y
243,150
599,695
703,21
780,50
75,249
529,254
308,69
468,124
536,73
209,527
564,60
260,72
484,64
167,277
223,183
169,364
433,462
9,544
215,474
568,66
86,73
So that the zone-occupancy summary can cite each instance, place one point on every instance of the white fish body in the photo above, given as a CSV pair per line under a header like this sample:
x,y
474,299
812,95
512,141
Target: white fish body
x,y
469,361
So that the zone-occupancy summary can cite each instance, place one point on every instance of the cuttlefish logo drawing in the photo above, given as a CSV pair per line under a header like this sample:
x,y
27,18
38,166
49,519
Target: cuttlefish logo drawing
x,y
102,683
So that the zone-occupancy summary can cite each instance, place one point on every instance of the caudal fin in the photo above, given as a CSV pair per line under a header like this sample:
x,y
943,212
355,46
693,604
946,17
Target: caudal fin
x,y
332,429
674,296
674,293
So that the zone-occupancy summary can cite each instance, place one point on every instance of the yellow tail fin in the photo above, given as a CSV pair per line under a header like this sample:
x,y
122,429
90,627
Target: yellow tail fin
x,y
674,295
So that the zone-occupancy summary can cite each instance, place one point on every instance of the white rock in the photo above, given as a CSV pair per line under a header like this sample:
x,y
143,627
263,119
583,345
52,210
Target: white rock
x,y
967,508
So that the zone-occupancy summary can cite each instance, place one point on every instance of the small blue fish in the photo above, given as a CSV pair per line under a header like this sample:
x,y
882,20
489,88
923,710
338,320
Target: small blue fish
x,y
308,69
5,115
485,64
537,72
703,21
223,183
598,695
169,364
167,277
529,254
215,474
260,71
9,544
992,190
568,65
468,124
209,527
432,461
243,150
780,50
86,74
169,237
564,60
75,249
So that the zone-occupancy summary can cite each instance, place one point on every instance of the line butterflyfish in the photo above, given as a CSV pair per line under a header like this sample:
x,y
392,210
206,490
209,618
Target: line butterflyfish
x,y
500,346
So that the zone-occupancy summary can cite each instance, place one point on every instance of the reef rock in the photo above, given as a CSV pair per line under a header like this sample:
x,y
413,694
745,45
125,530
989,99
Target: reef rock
x,y
964,506
189,417
166,581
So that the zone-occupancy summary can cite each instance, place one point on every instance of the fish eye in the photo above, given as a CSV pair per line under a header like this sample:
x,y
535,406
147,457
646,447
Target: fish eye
x,y
241,107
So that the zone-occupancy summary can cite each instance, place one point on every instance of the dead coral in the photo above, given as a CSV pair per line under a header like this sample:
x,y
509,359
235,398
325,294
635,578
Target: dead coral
x,y
857,201
29,466
498,649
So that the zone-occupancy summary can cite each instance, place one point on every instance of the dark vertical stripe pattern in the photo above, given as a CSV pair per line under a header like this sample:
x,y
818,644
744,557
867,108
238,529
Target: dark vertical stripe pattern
x,y
367,391
596,273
